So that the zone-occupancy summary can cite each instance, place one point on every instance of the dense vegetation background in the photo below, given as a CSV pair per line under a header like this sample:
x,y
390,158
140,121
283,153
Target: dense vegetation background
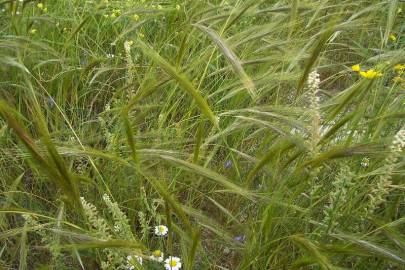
x,y
265,134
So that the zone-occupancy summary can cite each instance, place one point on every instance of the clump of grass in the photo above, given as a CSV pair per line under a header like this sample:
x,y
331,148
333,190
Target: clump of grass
x,y
261,134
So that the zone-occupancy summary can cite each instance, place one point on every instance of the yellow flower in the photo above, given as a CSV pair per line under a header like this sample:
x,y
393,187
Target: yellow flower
x,y
157,255
400,68
40,5
45,9
356,68
393,37
135,17
370,74
141,35
178,7
33,31
129,42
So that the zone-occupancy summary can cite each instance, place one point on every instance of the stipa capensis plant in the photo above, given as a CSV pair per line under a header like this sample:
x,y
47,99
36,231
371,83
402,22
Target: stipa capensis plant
x,y
112,258
336,203
121,222
314,100
130,66
49,234
383,184
120,229
264,186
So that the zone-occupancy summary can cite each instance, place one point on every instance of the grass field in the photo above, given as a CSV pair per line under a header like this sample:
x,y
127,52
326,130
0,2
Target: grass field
x,y
202,134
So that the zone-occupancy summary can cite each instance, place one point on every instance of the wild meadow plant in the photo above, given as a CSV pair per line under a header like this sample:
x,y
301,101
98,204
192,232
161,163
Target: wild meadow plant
x,y
210,134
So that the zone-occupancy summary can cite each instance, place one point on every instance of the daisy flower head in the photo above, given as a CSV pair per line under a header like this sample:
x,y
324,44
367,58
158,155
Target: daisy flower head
x,y
173,263
157,256
161,230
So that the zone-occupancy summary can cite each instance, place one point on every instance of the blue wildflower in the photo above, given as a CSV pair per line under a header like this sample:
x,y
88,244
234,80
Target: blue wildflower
x,y
51,102
240,238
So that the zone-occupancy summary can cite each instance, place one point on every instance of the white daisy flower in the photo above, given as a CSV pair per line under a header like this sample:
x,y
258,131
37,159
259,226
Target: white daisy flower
x,y
161,230
157,255
173,263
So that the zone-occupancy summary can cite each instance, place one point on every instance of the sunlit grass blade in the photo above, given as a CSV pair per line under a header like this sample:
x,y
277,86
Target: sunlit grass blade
x,y
23,249
392,12
373,248
182,80
316,51
312,250
217,178
59,175
232,58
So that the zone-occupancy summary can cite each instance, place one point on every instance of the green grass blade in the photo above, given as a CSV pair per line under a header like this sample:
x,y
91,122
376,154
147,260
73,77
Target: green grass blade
x,y
182,80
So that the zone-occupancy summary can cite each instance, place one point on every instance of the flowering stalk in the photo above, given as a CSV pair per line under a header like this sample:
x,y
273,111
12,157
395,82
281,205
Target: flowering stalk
x,y
130,63
313,85
383,186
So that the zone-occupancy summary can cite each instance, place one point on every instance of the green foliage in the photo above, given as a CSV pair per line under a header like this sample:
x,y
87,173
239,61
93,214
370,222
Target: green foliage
x,y
245,127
